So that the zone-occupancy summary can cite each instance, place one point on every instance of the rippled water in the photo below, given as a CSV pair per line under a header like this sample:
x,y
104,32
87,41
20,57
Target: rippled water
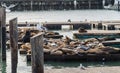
x,y
74,15
50,16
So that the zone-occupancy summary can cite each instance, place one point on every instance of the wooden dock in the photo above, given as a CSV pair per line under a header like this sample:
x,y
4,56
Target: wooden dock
x,y
87,57
73,25
113,43
23,24
98,34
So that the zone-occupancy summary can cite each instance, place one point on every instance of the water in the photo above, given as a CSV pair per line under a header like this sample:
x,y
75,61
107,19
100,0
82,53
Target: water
x,y
54,16
24,67
74,15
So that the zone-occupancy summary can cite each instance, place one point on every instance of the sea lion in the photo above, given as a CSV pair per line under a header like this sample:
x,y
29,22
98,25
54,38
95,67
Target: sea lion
x,y
67,40
26,38
26,46
46,51
56,52
82,30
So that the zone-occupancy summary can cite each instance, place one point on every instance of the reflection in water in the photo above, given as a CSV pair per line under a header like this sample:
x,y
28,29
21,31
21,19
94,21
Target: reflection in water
x,y
57,64
0,62
4,67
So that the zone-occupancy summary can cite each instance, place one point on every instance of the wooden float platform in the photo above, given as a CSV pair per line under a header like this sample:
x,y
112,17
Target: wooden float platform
x,y
73,25
22,24
98,34
22,51
113,43
80,57
107,43
8,45
53,36
110,21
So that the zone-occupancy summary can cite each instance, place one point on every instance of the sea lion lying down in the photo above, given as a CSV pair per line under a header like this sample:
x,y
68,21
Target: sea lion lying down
x,y
26,46
61,48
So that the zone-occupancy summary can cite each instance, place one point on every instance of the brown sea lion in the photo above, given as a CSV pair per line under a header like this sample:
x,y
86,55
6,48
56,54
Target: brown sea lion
x,y
82,30
67,40
56,52
26,46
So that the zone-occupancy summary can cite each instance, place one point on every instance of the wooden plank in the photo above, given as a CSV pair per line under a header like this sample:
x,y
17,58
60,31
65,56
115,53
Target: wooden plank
x,y
37,53
3,29
14,44
2,16
3,20
4,43
2,39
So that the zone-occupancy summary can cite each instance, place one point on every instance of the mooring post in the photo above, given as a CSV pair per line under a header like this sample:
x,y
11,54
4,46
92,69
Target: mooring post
x,y
37,57
14,44
3,32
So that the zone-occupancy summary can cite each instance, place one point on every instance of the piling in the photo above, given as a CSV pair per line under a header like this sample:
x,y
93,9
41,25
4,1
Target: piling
x,y
3,31
31,5
0,47
14,44
118,5
37,53
89,2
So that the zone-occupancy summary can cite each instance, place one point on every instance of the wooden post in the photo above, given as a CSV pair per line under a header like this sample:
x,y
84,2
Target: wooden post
x,y
118,5
37,53
89,2
31,5
75,4
0,46
3,33
14,44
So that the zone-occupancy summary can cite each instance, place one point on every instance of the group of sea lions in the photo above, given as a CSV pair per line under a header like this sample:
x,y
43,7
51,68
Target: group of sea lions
x,y
68,46
74,47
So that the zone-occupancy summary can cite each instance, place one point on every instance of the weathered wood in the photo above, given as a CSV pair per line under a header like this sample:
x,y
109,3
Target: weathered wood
x,y
37,53
4,43
14,44
2,39
2,16
0,47
3,29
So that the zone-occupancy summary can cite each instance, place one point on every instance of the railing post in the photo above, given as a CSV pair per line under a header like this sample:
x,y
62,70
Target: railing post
x,y
14,44
37,57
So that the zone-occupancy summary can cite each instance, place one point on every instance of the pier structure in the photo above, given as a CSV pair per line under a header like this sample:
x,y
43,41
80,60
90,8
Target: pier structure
x,y
75,25
105,25
71,25
21,5
111,26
